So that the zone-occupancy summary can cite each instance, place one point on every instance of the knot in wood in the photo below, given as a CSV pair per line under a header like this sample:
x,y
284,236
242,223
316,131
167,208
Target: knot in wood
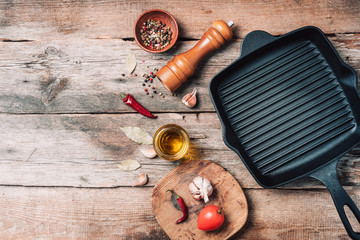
x,y
51,50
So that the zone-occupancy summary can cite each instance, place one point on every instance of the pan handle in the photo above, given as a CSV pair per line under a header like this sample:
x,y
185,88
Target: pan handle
x,y
327,175
255,40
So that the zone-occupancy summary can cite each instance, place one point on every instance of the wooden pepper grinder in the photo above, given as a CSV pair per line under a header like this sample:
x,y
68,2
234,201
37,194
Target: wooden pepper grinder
x,y
176,71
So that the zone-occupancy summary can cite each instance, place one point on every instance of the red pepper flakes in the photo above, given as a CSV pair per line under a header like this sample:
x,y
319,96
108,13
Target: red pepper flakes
x,y
145,90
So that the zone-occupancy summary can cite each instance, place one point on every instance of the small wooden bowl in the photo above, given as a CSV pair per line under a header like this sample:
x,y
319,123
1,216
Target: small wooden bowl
x,y
164,17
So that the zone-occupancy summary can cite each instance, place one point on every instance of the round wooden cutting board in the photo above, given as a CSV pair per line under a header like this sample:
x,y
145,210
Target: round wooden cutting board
x,y
227,194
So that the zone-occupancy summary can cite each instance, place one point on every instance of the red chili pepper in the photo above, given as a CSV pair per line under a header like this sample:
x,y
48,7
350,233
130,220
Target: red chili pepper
x,y
129,100
183,206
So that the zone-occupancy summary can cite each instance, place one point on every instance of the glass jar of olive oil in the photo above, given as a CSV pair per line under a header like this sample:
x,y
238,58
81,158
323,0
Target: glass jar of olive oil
x,y
171,142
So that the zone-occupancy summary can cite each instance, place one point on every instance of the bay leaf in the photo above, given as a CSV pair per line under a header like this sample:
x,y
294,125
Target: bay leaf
x,y
175,202
137,135
130,62
129,165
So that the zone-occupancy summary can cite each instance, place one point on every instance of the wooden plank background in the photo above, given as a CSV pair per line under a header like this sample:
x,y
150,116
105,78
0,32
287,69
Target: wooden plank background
x,y
90,71
60,113
91,19
80,213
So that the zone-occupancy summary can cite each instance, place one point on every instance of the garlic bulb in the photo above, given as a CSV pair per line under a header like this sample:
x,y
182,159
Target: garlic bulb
x,y
200,188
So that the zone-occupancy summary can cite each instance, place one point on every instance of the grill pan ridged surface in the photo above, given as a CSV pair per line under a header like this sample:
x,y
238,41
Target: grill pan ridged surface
x,y
286,107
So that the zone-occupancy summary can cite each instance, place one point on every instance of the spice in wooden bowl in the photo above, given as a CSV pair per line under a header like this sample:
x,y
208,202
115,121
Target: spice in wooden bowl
x,y
155,34
156,31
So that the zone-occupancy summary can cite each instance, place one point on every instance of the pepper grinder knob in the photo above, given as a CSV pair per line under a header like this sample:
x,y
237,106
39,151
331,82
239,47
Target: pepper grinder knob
x,y
182,66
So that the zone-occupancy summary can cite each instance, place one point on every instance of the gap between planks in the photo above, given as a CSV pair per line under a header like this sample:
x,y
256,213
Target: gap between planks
x,y
328,35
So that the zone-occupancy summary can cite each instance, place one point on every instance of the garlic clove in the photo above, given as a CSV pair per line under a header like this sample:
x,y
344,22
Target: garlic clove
x,y
206,198
148,152
210,190
194,190
142,180
197,182
190,99
197,197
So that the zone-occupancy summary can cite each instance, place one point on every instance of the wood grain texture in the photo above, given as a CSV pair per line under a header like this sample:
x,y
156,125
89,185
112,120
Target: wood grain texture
x,y
75,213
61,112
227,194
41,19
84,150
65,213
84,76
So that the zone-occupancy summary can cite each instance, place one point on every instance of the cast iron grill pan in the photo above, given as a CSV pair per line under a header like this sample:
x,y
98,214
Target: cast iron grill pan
x,y
289,107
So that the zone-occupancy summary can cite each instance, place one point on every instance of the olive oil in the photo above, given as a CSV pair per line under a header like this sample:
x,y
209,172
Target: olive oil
x,y
171,142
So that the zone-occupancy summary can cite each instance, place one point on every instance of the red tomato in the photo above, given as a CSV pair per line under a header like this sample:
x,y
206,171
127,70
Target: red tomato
x,y
210,218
